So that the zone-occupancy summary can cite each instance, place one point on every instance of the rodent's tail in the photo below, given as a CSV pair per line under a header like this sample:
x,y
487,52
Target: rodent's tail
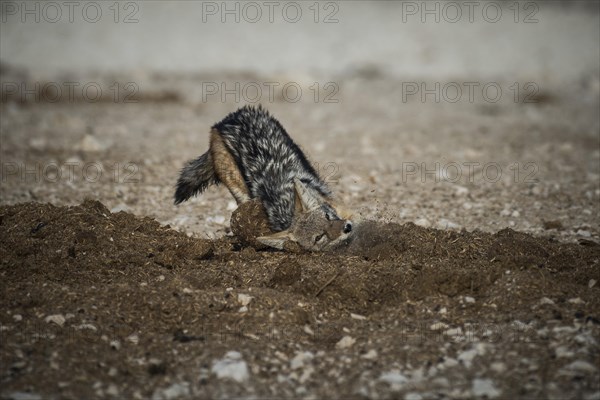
x,y
195,177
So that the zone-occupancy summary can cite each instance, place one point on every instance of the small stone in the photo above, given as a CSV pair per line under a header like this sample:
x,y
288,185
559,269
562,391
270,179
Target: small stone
x,y
86,326
115,344
438,326
469,299
91,144
515,214
584,233
133,338
591,283
175,391
300,359
243,309
498,367
450,362
19,317
370,355
545,300
563,352
576,300
57,319
231,367
453,332
461,191
446,224
358,317
485,387
217,219
423,222
244,299
413,396
112,390
231,205
393,377
581,366
345,342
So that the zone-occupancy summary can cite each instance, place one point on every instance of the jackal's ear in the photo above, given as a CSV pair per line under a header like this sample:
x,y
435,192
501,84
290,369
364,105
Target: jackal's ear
x,y
277,240
306,199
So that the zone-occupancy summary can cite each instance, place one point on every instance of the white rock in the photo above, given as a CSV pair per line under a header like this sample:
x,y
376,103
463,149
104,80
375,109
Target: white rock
x,y
443,223
498,367
393,377
133,338
86,326
358,317
450,362
461,190
545,300
515,214
175,391
423,222
18,317
584,233
467,356
591,283
217,219
231,205
112,390
119,207
454,332
244,299
485,387
90,143
370,355
57,319
115,344
345,342
413,396
438,326
306,374
231,367
469,299
300,359
576,300
580,366
243,309
563,352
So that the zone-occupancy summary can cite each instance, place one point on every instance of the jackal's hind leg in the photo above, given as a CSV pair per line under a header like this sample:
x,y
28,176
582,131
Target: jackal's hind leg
x,y
227,170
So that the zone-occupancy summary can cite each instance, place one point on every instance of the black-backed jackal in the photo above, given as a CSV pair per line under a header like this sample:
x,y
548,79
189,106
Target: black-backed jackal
x,y
252,154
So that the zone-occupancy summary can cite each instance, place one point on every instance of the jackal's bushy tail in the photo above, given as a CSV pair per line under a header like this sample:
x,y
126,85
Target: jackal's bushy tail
x,y
195,177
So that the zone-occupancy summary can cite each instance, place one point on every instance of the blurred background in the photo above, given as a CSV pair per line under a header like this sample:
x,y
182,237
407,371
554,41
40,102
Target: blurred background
x,y
448,114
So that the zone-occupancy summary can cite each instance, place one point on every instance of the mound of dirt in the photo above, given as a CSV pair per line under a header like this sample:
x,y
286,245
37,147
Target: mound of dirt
x,y
96,301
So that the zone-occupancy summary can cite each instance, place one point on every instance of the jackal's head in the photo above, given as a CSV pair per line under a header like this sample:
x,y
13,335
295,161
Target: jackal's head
x,y
318,224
